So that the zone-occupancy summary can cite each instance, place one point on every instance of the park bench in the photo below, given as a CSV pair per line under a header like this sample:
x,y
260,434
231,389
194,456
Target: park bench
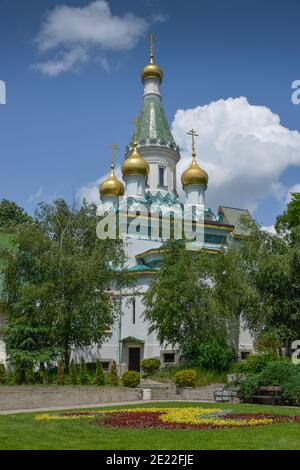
x,y
268,395
226,395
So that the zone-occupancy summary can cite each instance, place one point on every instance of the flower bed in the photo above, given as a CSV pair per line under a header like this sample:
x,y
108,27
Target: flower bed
x,y
173,418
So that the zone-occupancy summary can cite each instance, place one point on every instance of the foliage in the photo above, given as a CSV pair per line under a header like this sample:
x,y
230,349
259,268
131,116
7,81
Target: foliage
x,y
150,365
12,214
113,375
18,372
56,283
253,364
185,378
2,373
43,374
288,224
29,377
279,373
131,379
214,356
72,373
84,377
99,376
60,378
180,304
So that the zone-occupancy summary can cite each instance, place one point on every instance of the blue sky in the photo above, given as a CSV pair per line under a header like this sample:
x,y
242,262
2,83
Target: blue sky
x,y
55,129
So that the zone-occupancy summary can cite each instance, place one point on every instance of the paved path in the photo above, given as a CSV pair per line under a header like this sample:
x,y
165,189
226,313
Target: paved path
x,y
96,405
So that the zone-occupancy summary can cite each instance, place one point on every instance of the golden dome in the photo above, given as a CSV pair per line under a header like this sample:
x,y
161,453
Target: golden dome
x,y
194,174
135,164
111,186
152,71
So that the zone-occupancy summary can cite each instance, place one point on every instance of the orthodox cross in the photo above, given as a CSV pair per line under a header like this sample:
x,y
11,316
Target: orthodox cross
x,y
151,38
193,133
113,148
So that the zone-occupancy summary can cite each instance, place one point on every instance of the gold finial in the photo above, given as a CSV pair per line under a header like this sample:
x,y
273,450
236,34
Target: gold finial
x,y
151,38
135,122
113,148
193,133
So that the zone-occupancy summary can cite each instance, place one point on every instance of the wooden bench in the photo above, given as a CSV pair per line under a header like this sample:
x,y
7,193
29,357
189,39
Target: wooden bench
x,y
268,395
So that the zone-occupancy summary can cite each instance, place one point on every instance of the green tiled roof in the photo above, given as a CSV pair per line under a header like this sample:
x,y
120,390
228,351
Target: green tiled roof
x,y
141,268
153,128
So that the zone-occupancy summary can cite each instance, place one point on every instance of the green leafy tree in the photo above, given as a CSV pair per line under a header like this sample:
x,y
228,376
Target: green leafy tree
x,y
180,304
57,283
18,372
84,377
29,373
113,375
99,376
12,214
72,373
288,224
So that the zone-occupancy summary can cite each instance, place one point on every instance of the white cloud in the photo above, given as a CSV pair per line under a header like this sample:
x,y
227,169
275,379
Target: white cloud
x,y
36,196
270,229
79,34
244,148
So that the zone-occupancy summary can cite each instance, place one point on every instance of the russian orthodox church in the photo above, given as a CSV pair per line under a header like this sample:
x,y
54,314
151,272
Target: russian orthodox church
x,y
149,184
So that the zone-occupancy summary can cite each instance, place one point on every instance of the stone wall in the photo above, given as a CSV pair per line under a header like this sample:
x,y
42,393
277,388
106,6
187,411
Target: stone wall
x,y
22,397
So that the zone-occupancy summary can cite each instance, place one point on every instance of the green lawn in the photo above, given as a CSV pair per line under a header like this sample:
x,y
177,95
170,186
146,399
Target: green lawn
x,y
21,431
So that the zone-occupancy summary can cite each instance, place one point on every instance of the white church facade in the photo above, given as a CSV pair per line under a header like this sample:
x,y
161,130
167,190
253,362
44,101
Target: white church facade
x,y
149,180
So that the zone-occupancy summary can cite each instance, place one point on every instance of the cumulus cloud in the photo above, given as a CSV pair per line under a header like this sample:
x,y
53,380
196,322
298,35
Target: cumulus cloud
x,y
35,196
244,148
90,191
77,35
270,229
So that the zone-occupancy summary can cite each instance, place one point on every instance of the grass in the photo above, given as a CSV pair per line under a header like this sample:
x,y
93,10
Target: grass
x,y
21,431
203,377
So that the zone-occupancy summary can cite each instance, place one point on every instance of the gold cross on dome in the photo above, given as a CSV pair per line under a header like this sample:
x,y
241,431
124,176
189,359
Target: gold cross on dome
x,y
193,133
151,38
114,148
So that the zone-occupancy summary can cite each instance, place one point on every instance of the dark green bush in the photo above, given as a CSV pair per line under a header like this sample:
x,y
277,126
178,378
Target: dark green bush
x,y
185,378
214,356
113,375
29,375
2,374
253,364
131,379
99,375
72,373
18,375
151,365
84,377
43,374
60,376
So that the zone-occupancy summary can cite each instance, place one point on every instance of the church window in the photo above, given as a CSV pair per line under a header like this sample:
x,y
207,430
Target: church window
x,y
161,176
169,357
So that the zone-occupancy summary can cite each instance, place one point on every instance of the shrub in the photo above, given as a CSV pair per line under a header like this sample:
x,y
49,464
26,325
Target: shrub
x,y
84,377
253,364
131,379
43,374
185,378
17,377
29,374
60,377
113,375
72,373
99,376
151,365
214,356
2,373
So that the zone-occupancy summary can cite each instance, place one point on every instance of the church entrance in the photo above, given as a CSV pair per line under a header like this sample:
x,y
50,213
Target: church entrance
x,y
134,359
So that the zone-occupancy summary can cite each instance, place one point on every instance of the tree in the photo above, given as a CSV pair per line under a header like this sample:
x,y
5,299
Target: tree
x,y
288,224
72,373
273,266
180,303
99,376
57,283
2,373
12,214
113,375
84,378
60,378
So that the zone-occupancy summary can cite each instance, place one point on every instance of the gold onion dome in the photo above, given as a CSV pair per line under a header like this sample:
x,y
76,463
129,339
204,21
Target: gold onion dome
x,y
152,70
194,174
111,186
135,164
